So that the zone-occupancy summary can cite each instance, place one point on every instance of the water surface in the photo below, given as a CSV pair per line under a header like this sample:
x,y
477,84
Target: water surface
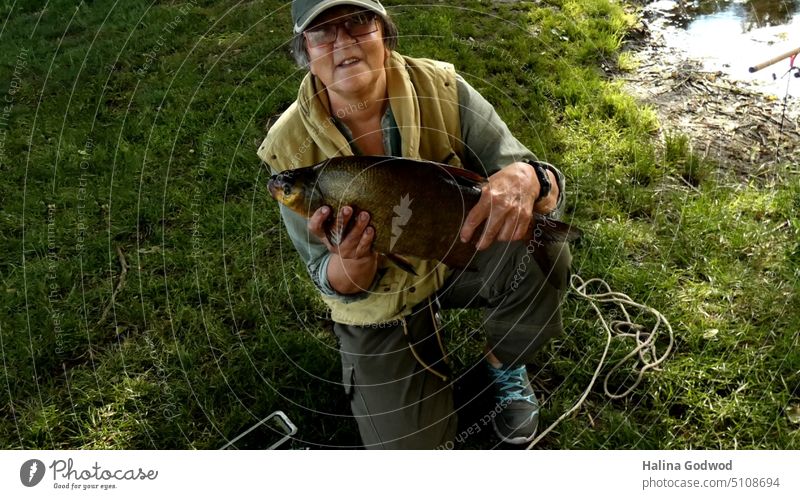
x,y
732,36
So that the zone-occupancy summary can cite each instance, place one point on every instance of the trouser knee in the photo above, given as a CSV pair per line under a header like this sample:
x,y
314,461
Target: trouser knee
x,y
397,403
527,313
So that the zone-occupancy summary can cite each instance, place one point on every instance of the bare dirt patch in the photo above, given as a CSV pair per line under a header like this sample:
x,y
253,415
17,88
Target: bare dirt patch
x,y
727,121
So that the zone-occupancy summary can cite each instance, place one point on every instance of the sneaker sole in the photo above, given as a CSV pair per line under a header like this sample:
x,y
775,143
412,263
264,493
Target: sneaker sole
x,y
512,440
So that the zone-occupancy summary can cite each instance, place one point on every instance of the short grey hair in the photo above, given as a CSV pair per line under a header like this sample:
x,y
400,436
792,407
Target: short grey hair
x,y
298,44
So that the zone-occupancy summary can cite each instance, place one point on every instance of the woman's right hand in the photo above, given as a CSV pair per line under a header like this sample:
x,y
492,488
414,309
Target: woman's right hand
x,y
353,263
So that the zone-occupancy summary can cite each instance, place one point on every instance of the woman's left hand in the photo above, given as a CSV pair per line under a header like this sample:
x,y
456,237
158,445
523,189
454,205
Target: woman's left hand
x,y
507,205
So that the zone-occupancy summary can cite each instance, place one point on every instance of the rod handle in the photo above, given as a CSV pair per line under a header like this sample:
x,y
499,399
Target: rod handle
x,y
772,61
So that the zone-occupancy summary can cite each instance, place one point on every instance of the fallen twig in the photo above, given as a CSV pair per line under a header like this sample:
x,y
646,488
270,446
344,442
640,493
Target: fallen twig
x,y
695,189
120,283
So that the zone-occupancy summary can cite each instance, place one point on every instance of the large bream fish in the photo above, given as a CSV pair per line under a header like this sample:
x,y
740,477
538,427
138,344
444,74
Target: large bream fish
x,y
416,207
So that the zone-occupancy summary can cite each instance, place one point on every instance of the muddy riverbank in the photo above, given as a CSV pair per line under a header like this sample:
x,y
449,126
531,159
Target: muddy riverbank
x,y
734,123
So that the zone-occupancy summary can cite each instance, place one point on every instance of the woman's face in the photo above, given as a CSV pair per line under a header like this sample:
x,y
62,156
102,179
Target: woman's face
x,y
347,66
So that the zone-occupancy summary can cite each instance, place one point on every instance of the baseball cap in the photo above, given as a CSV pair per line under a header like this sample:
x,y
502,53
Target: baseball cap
x,y
304,11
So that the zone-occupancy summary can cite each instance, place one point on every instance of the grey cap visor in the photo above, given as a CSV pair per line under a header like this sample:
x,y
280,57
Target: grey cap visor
x,y
312,13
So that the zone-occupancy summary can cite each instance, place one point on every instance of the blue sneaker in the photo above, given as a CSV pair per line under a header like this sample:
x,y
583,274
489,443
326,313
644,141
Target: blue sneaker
x,y
516,415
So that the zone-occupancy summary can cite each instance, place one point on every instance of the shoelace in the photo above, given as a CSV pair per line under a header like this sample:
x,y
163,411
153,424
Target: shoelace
x,y
512,383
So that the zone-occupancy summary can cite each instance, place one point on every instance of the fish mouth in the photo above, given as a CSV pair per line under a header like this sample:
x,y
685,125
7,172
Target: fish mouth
x,y
285,188
272,187
277,187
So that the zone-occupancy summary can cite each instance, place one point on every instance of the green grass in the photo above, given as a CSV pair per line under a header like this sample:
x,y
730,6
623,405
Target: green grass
x,y
147,144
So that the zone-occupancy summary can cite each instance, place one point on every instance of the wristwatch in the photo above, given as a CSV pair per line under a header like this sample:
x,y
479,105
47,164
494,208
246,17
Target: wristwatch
x,y
541,168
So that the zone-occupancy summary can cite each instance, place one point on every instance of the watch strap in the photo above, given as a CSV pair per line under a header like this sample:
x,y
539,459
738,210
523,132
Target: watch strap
x,y
545,186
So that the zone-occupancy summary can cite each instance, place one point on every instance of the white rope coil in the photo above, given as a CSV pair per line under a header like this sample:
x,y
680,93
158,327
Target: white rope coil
x,y
645,340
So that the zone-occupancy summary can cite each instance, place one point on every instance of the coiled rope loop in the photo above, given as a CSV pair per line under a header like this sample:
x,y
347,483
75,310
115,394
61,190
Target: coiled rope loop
x,y
645,340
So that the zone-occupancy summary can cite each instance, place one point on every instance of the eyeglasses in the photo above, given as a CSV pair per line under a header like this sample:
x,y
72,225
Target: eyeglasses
x,y
355,25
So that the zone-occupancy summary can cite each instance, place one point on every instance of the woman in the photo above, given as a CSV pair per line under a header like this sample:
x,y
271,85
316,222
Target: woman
x,y
362,97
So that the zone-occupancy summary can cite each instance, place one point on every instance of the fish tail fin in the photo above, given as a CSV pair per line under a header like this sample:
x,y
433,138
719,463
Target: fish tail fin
x,y
549,230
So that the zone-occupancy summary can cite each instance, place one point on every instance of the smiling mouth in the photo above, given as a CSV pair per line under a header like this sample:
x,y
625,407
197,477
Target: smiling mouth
x,y
349,62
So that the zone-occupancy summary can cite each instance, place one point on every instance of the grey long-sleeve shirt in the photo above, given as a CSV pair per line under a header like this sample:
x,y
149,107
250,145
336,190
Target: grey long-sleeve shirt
x,y
488,147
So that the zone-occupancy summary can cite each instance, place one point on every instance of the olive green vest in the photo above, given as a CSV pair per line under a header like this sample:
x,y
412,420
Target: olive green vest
x,y
424,101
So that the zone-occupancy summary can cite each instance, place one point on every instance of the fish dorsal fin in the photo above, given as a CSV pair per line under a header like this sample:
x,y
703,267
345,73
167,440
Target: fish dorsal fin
x,y
462,175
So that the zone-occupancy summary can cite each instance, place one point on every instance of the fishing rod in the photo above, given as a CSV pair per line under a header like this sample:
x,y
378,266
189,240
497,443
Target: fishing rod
x,y
791,55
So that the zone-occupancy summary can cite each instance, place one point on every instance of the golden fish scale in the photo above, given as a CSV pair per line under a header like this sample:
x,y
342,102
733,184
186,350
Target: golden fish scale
x,y
426,224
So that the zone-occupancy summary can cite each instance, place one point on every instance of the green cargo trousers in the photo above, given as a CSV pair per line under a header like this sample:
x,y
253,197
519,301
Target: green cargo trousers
x,y
395,374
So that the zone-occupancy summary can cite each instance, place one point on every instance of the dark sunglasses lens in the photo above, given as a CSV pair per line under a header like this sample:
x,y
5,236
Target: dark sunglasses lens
x,y
361,25
320,36
357,25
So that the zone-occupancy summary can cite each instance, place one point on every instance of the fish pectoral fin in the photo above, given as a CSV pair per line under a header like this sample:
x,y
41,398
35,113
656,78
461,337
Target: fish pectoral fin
x,y
402,263
461,256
